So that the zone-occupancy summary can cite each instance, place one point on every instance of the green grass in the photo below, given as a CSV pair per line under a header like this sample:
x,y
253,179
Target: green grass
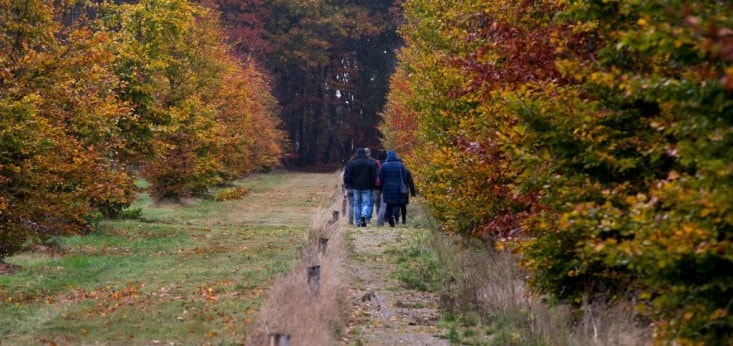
x,y
418,267
179,275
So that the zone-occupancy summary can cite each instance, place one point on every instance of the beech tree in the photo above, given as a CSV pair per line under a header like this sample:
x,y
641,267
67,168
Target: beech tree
x,y
58,133
88,102
182,81
590,137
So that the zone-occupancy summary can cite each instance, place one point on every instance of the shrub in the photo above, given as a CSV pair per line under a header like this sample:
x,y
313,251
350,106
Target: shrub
x,y
12,238
231,194
131,214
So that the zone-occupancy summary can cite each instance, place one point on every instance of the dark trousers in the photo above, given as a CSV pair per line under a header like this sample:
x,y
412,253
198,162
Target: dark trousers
x,y
403,211
391,213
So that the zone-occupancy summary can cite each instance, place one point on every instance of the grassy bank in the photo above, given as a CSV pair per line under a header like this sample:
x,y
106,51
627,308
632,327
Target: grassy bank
x,y
484,299
189,273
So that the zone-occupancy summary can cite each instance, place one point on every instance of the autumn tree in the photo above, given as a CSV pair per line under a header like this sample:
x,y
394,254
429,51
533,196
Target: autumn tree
x,y
183,83
246,21
58,129
591,137
90,94
642,196
252,140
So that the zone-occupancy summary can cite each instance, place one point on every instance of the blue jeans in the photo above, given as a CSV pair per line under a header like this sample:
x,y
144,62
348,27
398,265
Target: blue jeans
x,y
377,199
380,212
362,204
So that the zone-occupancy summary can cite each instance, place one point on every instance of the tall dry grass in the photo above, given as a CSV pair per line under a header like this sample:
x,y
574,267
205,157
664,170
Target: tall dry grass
x,y
489,284
292,308
492,284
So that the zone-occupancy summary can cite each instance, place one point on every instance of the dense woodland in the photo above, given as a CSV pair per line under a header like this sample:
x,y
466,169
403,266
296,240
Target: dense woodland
x,y
592,138
187,95
330,63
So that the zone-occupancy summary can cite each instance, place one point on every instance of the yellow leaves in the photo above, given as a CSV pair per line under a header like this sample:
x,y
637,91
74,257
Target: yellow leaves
x,y
727,79
599,247
208,294
718,314
688,316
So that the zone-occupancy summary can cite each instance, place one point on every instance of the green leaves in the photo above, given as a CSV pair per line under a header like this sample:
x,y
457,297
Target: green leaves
x,y
186,85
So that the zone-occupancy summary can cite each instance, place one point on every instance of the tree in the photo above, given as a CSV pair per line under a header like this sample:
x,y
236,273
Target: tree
x,y
90,94
592,137
58,171
181,79
330,61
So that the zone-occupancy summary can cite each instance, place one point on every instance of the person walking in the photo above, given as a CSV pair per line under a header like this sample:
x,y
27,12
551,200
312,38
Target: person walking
x,y
405,197
360,176
382,156
394,184
377,192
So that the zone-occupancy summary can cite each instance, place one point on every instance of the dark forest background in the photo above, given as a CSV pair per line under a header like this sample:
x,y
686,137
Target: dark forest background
x,y
330,63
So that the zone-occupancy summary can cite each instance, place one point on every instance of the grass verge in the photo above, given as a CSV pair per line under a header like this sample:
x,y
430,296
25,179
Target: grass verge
x,y
308,308
185,274
484,299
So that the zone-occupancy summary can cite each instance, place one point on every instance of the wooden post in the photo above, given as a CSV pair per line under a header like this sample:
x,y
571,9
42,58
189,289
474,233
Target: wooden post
x,y
322,244
314,278
278,339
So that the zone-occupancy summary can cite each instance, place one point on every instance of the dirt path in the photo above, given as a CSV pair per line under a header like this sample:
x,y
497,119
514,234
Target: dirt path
x,y
383,312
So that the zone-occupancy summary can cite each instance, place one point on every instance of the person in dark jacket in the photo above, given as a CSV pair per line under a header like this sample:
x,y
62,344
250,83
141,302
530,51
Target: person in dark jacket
x,y
361,176
405,198
382,206
377,192
392,175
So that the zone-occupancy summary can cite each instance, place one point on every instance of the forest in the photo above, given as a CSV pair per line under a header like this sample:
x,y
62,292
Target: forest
x,y
96,95
593,139
330,63
184,95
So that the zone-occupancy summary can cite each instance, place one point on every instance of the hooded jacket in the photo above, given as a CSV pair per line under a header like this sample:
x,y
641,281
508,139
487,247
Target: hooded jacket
x,y
392,175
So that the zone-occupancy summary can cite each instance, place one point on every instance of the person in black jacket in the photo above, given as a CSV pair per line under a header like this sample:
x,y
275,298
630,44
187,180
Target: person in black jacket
x,y
361,176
